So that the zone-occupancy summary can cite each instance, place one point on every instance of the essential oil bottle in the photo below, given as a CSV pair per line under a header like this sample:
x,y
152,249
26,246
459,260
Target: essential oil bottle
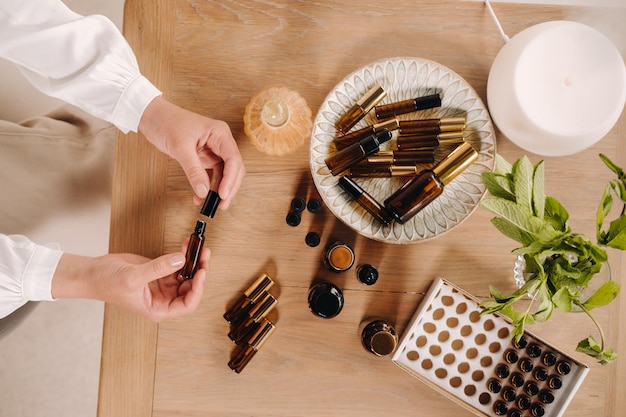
x,y
353,137
353,154
423,189
407,142
387,111
431,126
365,200
194,249
250,297
360,108
410,157
247,352
382,171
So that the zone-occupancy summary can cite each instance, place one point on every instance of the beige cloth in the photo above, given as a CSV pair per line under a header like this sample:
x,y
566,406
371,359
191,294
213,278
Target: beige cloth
x,y
52,164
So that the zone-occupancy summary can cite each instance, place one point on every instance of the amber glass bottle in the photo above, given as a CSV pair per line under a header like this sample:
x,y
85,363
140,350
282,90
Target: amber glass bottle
x,y
424,188
196,242
345,158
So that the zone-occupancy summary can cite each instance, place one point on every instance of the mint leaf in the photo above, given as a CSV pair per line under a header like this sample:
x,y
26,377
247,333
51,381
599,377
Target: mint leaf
x,y
591,347
502,167
613,167
498,185
604,295
539,195
616,235
520,216
523,181
555,214
563,299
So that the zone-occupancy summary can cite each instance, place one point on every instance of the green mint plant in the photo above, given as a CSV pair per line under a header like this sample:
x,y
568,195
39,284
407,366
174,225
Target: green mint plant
x,y
559,263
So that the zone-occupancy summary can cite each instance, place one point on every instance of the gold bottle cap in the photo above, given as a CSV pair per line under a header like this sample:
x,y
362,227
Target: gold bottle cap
x,y
258,287
260,310
456,162
402,170
371,98
452,121
390,125
453,127
260,336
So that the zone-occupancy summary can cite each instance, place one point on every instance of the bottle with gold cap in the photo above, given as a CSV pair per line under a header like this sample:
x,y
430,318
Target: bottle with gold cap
x,y
424,188
360,108
250,297
247,352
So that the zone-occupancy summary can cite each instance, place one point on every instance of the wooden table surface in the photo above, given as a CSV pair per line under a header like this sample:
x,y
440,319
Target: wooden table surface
x,y
212,57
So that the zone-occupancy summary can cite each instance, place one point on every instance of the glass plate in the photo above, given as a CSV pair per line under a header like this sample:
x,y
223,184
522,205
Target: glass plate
x,y
405,78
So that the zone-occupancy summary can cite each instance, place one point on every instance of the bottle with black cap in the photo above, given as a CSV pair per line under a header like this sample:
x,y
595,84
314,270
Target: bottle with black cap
x,y
194,249
353,154
386,111
365,200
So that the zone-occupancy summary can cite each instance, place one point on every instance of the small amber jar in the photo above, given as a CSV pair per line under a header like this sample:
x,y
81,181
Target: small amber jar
x,y
338,257
379,337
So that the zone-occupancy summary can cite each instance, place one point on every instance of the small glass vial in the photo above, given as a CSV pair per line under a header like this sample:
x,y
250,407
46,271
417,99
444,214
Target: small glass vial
x,y
531,388
494,385
563,367
194,249
545,396
537,410
526,365
250,297
353,137
431,126
540,373
386,111
360,108
411,157
521,343
533,350
555,382
405,142
517,380
247,352
500,408
510,356
502,371
379,337
423,189
549,359
523,402
367,274
382,171
338,257
355,153
365,200
508,394
244,328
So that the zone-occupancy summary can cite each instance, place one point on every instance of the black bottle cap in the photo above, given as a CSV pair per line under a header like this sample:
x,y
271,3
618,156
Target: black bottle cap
x,y
210,204
367,274
514,413
502,371
349,186
508,394
325,300
494,385
517,380
312,239
314,205
293,218
298,204
531,388
537,410
500,408
563,368
428,102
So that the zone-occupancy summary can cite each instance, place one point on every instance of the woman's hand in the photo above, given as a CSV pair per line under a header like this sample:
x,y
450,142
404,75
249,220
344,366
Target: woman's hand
x,y
147,287
203,147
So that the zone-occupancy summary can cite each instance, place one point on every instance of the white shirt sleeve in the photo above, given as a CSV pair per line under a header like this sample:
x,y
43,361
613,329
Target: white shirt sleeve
x,y
26,271
84,61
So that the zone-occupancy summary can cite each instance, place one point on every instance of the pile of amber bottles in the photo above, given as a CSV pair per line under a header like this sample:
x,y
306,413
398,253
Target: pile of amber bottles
x,y
359,154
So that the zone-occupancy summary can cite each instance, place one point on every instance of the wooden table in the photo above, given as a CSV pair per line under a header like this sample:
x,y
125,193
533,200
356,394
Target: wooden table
x,y
212,57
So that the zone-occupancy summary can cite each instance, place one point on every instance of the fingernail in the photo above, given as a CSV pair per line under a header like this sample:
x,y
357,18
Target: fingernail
x,y
177,260
202,191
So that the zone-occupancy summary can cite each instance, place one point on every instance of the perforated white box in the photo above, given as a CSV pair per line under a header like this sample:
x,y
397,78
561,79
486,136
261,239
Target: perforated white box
x,y
472,359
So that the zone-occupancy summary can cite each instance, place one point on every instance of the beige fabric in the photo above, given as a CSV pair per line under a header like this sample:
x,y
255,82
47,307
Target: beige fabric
x,y
53,164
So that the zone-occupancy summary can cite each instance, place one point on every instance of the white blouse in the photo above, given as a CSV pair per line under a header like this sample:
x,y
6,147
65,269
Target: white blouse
x,y
86,62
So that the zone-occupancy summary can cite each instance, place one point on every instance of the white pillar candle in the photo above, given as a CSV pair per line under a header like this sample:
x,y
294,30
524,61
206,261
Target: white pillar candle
x,y
557,88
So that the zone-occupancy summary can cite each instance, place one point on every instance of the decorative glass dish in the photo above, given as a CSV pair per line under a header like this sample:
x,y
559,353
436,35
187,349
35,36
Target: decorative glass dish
x,y
403,79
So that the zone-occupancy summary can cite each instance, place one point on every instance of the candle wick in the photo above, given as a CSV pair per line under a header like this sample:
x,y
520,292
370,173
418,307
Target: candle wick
x,y
504,36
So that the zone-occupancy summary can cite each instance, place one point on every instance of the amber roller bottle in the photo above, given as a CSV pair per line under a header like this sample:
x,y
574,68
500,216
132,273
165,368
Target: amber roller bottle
x,y
353,154
196,242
